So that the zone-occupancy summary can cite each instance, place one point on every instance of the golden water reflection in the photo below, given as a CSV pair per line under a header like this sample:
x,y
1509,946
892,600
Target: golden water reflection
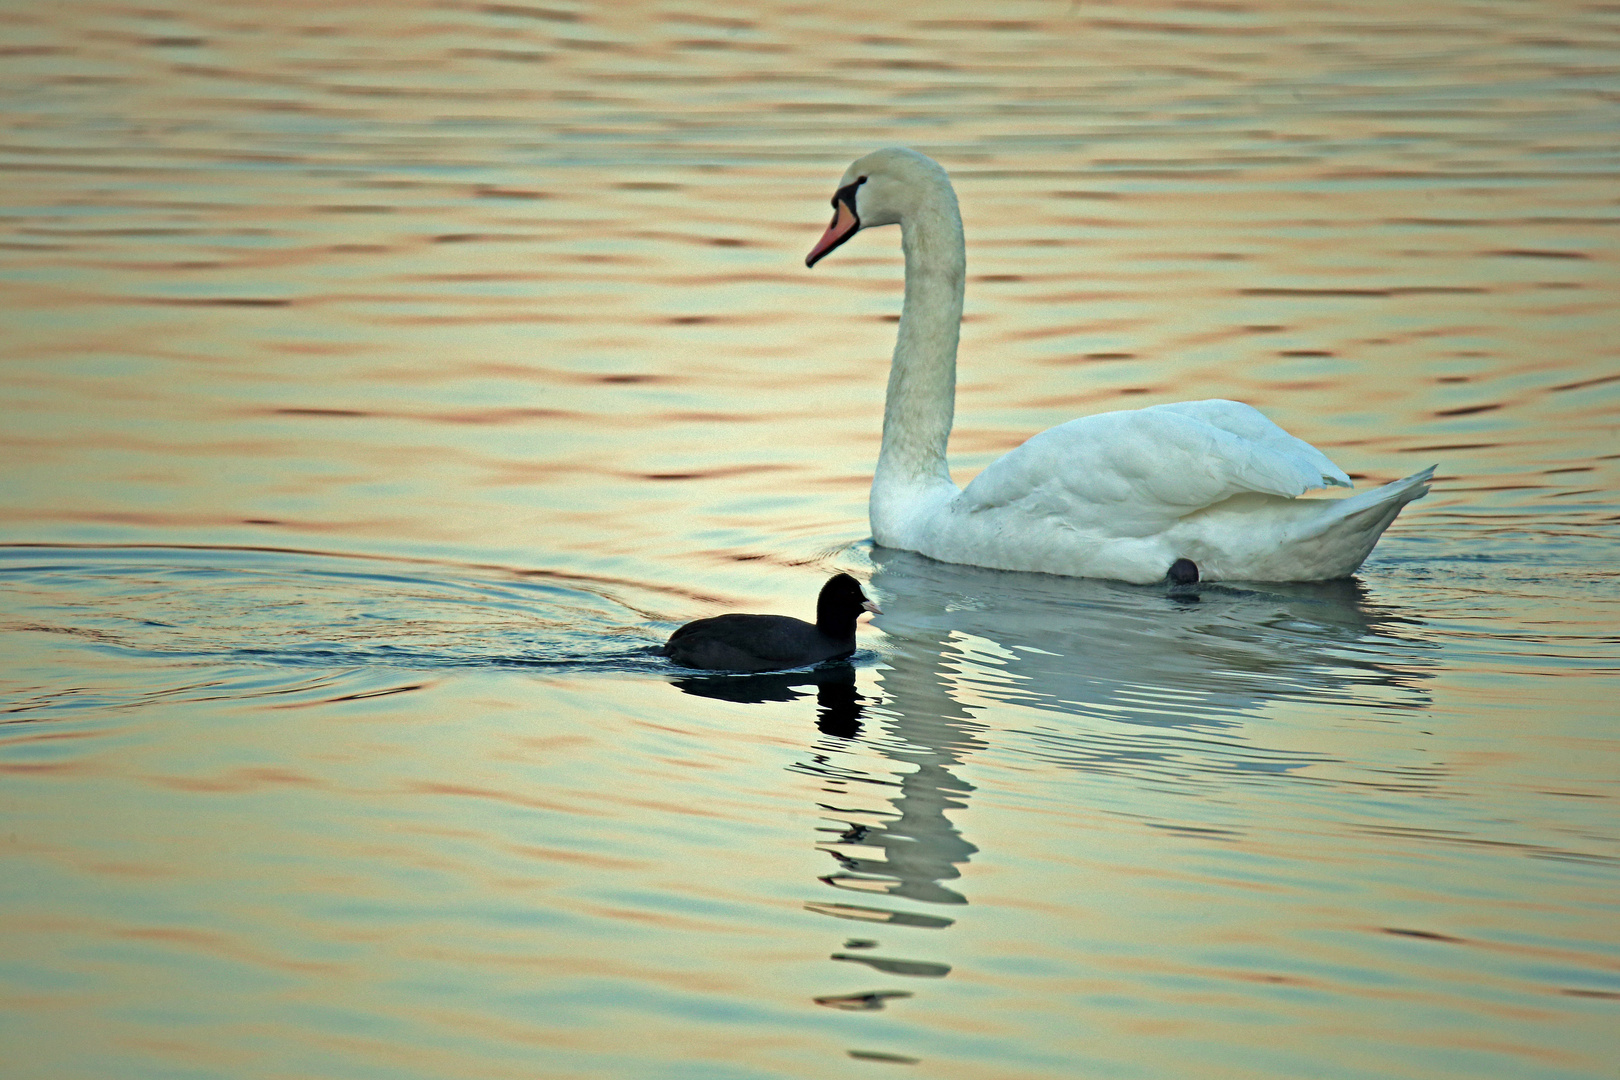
x,y
380,380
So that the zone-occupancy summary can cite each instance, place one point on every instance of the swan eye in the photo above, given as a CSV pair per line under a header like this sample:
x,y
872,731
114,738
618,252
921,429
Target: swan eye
x,y
846,194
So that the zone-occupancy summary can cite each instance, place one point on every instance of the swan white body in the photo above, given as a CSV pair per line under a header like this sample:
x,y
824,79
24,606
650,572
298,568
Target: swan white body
x,y
1117,495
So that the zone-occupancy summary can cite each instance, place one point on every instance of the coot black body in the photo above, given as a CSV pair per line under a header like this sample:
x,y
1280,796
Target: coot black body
x,y
774,642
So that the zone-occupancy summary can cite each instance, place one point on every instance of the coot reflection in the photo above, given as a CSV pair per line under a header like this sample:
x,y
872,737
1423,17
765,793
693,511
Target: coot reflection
x,y
838,704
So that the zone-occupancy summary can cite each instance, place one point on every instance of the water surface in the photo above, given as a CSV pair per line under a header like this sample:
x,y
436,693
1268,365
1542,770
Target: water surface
x,y
382,381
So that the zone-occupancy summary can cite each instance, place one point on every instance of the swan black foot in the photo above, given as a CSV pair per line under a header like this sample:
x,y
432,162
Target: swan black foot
x,y
1183,572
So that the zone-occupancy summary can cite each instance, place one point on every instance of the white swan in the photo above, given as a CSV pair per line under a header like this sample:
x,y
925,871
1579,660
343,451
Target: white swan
x,y
1124,495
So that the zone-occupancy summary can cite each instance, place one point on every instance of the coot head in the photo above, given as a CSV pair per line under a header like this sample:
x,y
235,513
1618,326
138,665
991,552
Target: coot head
x,y
840,604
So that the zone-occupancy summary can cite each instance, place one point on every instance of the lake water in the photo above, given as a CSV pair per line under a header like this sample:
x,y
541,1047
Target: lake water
x,y
381,380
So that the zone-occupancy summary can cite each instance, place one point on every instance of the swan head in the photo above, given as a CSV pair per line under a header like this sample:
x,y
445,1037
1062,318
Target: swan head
x,y
882,188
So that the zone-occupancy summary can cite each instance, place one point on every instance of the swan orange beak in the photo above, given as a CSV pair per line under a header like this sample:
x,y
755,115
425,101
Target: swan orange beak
x,y
844,225
871,605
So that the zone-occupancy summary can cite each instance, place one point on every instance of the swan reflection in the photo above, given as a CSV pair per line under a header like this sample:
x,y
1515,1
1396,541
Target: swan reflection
x,y
1140,654
961,639
1145,678
909,847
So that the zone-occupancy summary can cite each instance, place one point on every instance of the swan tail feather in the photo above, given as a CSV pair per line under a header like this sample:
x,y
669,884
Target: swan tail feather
x,y
1380,500
1311,539
1339,540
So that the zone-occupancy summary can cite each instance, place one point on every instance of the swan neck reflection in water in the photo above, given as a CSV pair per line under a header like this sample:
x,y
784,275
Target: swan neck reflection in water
x,y
909,848
1137,677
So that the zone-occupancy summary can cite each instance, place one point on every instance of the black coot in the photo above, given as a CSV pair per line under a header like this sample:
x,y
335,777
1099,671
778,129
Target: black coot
x,y
773,642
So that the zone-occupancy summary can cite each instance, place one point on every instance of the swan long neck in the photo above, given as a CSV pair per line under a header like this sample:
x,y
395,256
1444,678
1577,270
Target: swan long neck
x,y
922,378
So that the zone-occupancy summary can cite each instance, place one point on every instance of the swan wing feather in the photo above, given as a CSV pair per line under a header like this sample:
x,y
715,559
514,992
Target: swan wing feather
x,y
1135,472
1251,425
